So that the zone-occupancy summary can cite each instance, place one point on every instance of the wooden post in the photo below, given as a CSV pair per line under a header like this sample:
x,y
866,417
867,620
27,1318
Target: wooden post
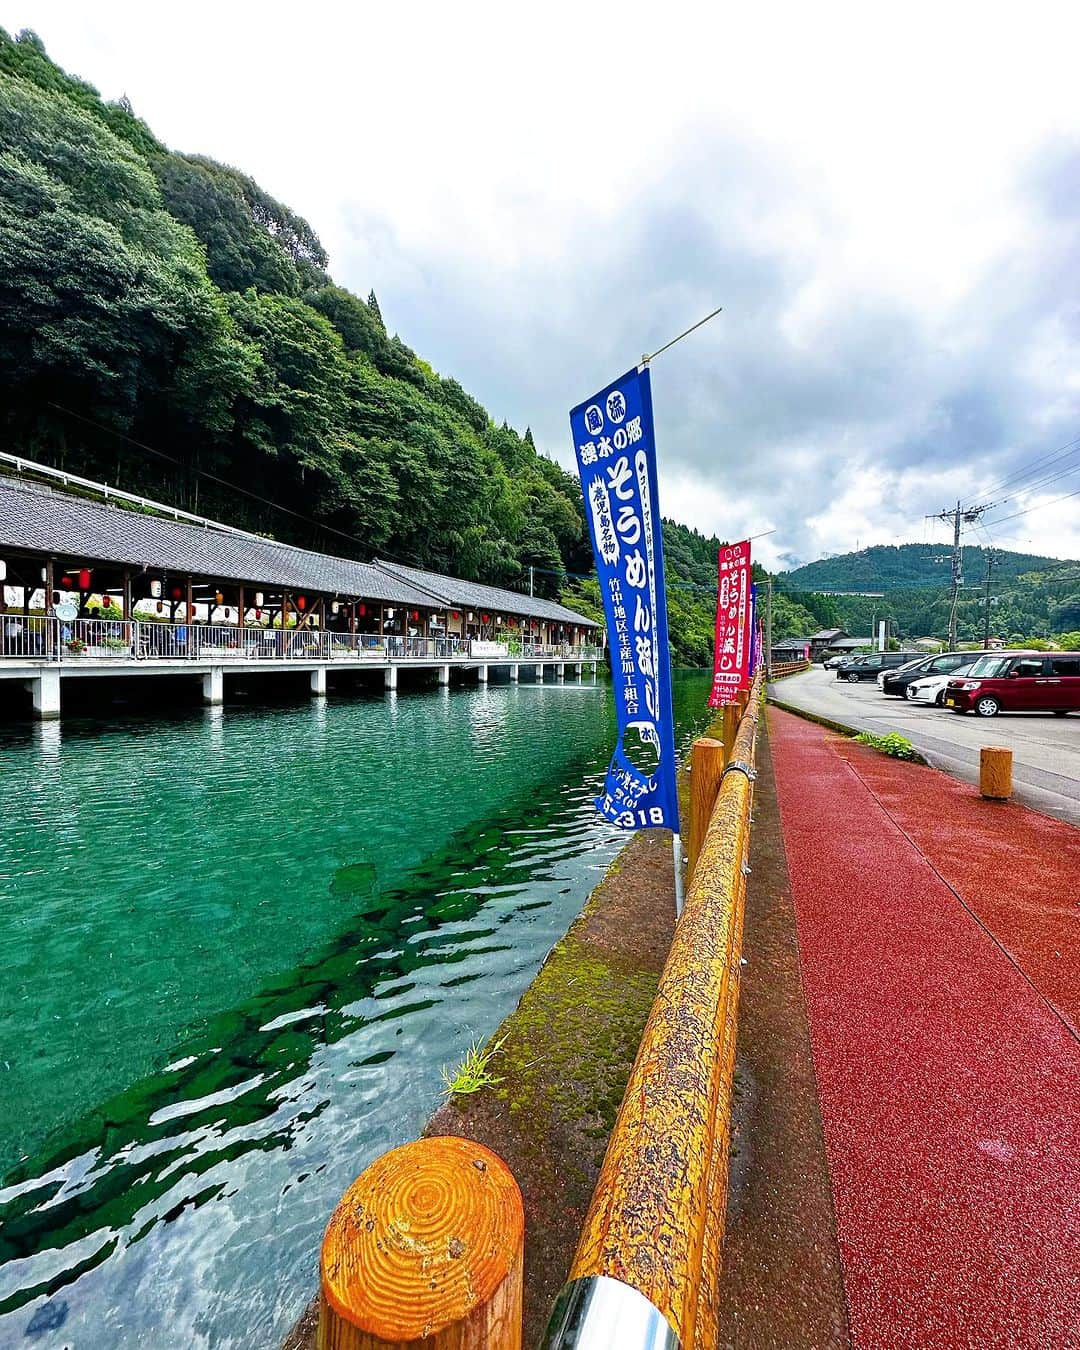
x,y
995,773
707,759
189,607
50,581
731,728
425,1250
240,607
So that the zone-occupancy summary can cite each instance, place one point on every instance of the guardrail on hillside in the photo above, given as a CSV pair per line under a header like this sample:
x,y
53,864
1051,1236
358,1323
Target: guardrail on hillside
x,y
424,1238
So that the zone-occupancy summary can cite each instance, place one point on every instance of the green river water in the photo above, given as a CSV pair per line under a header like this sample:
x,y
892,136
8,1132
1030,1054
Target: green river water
x,y
236,948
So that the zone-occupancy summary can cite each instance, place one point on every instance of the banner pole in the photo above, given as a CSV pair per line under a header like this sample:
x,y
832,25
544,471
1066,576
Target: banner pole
x,y
677,860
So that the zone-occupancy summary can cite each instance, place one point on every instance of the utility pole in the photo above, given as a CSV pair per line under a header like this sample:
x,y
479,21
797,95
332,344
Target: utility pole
x,y
530,578
991,559
959,516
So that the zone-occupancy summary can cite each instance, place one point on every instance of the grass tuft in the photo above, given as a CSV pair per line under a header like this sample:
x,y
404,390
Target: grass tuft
x,y
472,1073
892,743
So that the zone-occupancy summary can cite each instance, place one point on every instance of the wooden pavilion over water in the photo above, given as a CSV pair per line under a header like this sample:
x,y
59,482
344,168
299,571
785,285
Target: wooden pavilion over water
x,y
96,583
102,556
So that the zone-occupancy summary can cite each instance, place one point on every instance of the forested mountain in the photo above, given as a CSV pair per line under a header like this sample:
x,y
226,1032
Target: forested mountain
x,y
884,568
167,325
1031,595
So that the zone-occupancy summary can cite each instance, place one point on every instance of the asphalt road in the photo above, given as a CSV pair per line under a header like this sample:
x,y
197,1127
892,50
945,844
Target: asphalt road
x,y
1046,749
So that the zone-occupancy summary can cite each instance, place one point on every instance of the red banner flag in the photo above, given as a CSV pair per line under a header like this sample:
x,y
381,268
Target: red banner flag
x,y
734,619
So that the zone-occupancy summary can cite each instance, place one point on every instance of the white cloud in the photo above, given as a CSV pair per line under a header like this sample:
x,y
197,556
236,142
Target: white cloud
x,y
884,201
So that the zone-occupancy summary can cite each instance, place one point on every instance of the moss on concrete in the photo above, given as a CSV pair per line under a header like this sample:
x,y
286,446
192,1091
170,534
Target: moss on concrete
x,y
599,1006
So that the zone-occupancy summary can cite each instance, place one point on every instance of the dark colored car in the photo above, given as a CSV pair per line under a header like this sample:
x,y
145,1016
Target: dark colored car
x,y
1018,682
869,666
894,682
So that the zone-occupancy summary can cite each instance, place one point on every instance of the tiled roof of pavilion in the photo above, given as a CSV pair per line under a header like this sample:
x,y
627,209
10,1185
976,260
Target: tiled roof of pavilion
x,y
491,599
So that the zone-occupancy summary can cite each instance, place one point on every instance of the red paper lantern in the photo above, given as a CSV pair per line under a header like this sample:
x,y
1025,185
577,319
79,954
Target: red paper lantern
x,y
84,579
161,606
258,613
457,613
106,601
301,603
177,593
485,617
416,614
66,583
362,610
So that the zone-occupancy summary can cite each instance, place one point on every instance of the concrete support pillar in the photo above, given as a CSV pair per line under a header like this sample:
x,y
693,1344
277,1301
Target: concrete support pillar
x,y
482,674
45,691
560,671
318,682
391,677
594,670
513,674
444,674
213,686
577,669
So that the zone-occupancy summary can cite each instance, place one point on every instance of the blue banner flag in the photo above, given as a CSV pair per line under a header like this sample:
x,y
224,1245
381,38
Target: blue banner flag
x,y
616,459
755,655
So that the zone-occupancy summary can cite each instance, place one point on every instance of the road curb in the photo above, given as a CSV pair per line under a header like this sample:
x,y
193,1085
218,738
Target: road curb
x,y
827,722
842,728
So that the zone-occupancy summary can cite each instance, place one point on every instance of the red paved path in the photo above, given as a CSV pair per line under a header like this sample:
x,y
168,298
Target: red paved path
x,y
942,987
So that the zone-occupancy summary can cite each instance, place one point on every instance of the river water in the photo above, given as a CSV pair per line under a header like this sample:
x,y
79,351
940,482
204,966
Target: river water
x,y
237,947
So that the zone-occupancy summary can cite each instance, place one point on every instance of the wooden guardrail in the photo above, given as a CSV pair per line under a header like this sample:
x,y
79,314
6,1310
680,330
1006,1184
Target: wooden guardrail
x,y
425,1249
779,669
656,1223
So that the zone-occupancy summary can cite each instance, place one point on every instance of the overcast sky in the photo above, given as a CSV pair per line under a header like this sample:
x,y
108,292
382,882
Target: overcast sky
x,y
883,199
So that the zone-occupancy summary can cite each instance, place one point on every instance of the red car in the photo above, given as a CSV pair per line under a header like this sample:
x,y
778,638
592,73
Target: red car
x,y
1018,682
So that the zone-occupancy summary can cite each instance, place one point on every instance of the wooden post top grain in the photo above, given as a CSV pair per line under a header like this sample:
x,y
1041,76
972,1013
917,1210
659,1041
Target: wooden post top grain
x,y
425,1249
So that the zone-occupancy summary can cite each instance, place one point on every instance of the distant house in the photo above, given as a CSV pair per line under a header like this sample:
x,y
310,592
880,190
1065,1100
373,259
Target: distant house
x,y
823,642
850,644
928,644
791,649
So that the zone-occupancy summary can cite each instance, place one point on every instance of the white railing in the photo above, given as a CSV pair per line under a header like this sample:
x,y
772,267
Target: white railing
x,y
95,639
25,636
39,638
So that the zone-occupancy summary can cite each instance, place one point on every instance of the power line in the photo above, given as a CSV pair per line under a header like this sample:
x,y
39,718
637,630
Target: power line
x,y
213,478
1070,447
1041,506
1024,489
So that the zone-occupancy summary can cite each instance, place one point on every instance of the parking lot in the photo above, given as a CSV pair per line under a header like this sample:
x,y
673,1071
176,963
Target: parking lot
x,y
1046,749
